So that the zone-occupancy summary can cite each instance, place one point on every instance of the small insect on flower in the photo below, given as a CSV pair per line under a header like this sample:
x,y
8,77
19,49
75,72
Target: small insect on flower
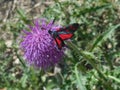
x,y
38,45
62,34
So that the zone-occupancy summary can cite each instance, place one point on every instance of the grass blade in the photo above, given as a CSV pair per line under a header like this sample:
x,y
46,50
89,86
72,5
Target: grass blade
x,y
93,9
104,36
79,78
114,78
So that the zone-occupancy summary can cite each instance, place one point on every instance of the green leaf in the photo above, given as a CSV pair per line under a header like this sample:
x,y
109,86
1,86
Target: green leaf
x,y
79,78
104,36
23,16
114,78
24,80
93,9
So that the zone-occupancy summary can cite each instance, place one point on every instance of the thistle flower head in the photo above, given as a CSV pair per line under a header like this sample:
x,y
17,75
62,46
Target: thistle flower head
x,y
39,47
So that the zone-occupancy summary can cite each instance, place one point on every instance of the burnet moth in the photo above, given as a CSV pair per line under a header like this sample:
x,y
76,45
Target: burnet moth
x,y
64,33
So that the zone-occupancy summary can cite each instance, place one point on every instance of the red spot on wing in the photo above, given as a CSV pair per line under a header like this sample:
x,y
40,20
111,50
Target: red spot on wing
x,y
67,32
73,27
59,29
59,43
70,28
66,36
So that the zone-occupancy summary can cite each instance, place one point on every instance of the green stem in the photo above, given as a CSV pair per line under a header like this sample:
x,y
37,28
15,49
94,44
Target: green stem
x,y
21,60
114,78
109,61
91,60
79,78
19,57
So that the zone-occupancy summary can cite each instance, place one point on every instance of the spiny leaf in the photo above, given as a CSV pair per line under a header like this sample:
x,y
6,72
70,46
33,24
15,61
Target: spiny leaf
x,y
104,36
23,15
93,9
114,78
79,78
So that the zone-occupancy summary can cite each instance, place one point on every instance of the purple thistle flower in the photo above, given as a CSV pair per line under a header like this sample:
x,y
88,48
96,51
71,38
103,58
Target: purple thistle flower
x,y
39,47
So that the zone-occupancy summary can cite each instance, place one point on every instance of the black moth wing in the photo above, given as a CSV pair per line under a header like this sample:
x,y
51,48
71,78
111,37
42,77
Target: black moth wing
x,y
67,32
59,42
62,34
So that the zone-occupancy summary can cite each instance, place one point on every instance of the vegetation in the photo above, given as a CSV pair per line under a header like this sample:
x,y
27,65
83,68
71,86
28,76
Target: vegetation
x,y
92,61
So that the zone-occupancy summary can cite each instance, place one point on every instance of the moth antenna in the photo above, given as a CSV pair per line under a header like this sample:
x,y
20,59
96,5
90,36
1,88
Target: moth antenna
x,y
54,20
52,24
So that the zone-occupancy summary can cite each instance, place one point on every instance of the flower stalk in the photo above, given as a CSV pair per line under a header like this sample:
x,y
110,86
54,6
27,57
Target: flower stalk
x,y
91,60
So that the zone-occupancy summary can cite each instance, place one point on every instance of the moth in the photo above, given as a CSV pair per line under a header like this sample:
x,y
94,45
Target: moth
x,y
64,33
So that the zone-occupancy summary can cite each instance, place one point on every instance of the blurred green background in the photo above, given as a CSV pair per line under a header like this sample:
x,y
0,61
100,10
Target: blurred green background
x,y
91,63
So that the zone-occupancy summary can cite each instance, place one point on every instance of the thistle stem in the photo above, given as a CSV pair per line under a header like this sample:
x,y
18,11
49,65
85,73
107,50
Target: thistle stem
x,y
91,60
